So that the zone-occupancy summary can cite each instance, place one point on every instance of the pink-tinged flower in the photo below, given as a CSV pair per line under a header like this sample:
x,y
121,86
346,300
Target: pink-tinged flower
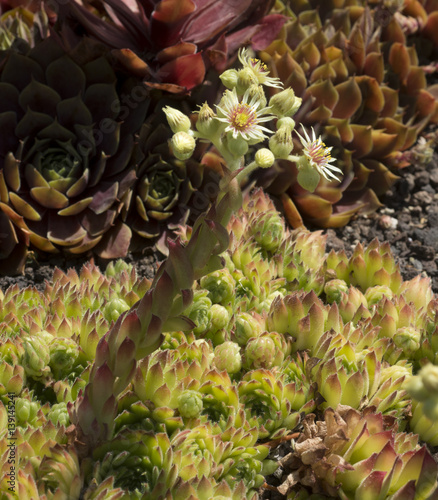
x,y
318,155
243,118
171,42
259,70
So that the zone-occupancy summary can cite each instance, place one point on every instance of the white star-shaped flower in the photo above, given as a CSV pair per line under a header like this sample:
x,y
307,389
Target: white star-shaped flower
x,y
318,155
243,118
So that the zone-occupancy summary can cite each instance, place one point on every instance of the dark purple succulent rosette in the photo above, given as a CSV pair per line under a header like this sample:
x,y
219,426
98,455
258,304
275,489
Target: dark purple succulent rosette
x,y
167,189
171,43
67,167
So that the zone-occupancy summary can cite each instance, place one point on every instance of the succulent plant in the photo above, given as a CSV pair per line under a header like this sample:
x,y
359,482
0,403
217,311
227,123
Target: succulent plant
x,y
231,455
60,472
362,86
20,23
161,378
227,357
170,44
65,182
33,447
206,489
303,316
272,403
142,463
166,188
374,265
267,350
424,388
354,455
422,425
110,372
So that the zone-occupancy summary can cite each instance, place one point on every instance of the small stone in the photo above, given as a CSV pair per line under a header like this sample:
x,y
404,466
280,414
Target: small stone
x,y
416,263
387,222
422,198
430,238
433,177
406,184
422,178
387,211
432,218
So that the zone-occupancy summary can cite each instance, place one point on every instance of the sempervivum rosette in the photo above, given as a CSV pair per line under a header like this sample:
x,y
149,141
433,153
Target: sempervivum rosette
x,y
66,163
165,189
170,43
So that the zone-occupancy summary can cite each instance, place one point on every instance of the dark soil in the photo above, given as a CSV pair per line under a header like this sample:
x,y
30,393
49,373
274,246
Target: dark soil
x,y
408,220
39,270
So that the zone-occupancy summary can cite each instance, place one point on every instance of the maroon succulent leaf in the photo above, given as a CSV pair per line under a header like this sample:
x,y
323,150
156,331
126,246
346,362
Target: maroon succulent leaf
x,y
171,43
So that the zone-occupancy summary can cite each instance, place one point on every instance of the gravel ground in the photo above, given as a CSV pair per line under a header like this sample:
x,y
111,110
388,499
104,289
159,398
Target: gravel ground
x,y
408,220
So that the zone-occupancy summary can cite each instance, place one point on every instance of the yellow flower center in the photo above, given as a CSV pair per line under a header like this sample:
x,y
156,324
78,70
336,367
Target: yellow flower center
x,y
243,117
318,153
257,64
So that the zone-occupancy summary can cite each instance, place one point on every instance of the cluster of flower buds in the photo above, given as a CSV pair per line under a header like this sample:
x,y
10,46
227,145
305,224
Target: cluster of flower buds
x,y
239,122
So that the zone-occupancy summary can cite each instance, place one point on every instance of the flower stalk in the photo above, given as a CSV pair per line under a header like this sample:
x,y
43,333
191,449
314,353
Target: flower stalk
x,y
139,331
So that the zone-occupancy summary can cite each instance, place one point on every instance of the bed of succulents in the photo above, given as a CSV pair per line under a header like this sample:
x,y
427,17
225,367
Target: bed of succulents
x,y
255,363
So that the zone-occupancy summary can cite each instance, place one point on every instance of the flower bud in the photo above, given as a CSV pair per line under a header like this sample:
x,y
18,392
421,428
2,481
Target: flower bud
x,y
308,177
286,121
227,357
281,143
229,78
183,145
264,158
236,145
190,404
334,289
245,78
207,123
258,92
177,120
285,103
